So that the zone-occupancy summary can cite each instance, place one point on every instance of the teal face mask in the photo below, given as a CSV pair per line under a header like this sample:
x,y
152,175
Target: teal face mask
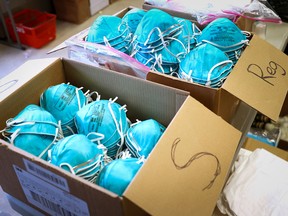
x,y
34,130
104,122
117,175
109,30
150,30
142,137
78,155
132,18
189,33
225,35
206,65
63,101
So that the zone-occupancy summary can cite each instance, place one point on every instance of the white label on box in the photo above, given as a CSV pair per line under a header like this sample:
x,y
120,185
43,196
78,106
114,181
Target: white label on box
x,y
49,198
46,175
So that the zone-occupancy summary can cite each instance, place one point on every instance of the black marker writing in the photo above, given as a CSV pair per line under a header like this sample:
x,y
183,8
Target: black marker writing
x,y
194,157
271,71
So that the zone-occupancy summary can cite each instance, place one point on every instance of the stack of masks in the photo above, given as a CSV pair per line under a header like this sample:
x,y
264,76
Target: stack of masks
x,y
142,136
34,130
161,41
78,155
110,31
206,65
63,101
225,35
99,138
117,175
104,122
211,61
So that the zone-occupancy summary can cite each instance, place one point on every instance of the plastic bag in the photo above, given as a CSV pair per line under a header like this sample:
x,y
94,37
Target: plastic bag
x,y
100,55
256,10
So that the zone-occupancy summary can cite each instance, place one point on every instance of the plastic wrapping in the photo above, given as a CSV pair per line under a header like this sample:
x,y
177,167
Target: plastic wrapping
x,y
206,11
103,56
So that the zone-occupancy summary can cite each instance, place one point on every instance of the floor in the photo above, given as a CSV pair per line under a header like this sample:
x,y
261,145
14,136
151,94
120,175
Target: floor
x,y
12,57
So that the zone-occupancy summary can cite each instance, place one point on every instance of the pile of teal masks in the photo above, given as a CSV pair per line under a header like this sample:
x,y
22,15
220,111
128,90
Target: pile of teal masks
x,y
132,18
79,156
109,30
104,122
161,41
34,130
225,35
142,137
63,101
117,175
206,65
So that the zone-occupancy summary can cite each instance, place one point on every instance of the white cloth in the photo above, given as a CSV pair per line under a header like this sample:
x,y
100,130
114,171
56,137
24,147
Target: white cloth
x,y
258,186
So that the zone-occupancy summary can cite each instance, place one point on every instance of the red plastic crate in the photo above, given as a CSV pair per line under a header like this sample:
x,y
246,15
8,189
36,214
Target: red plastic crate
x,y
34,28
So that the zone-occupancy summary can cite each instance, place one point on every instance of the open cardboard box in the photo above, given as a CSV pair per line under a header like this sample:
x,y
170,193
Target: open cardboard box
x,y
254,85
259,79
257,83
159,188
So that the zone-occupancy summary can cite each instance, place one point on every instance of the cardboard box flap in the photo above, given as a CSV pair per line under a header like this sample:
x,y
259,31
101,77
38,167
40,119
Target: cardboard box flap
x,y
22,75
148,99
50,177
187,169
260,78
207,97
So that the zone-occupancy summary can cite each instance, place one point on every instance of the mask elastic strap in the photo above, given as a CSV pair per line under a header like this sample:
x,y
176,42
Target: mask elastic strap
x,y
158,61
14,136
84,170
78,98
98,139
208,83
188,76
165,47
56,138
69,167
242,42
162,33
124,154
119,127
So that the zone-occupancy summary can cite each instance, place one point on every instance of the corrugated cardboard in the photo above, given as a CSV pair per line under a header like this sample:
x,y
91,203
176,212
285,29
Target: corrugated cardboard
x,y
160,184
259,79
184,155
75,11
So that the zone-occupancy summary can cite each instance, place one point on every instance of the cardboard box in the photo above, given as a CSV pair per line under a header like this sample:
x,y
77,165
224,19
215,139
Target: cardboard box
x,y
97,5
75,11
249,88
159,188
258,79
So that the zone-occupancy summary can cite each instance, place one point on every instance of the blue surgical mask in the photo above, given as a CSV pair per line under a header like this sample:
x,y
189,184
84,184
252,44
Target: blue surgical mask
x,y
117,175
63,101
79,156
34,130
104,122
142,137
206,65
